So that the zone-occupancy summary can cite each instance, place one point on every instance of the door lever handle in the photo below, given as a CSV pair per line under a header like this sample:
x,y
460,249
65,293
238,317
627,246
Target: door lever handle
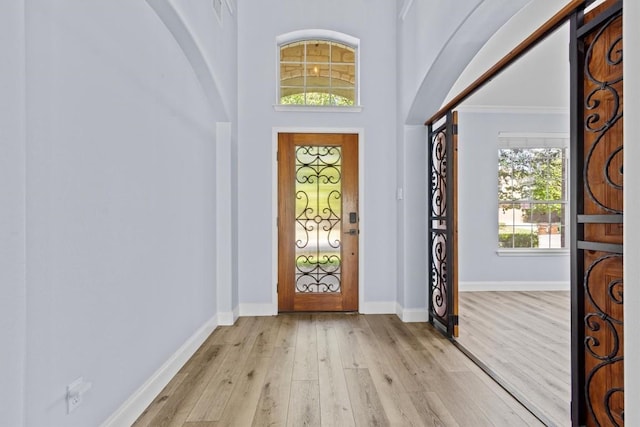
x,y
352,232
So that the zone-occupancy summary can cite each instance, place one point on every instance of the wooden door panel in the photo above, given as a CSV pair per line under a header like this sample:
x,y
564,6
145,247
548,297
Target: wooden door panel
x,y
597,262
318,222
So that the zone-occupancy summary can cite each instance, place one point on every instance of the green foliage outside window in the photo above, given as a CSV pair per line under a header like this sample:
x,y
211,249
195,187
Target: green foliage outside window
x,y
533,174
316,98
517,240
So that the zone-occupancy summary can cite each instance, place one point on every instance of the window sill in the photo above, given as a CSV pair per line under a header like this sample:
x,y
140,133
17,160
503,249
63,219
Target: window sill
x,y
317,108
526,252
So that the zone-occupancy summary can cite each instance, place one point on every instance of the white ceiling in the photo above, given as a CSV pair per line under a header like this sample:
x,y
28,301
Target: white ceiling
x,y
539,79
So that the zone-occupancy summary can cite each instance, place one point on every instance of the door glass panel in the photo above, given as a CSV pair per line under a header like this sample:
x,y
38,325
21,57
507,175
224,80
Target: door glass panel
x,y
318,213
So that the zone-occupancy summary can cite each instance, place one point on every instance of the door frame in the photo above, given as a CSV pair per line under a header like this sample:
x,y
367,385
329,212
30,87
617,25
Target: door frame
x,y
274,205
572,13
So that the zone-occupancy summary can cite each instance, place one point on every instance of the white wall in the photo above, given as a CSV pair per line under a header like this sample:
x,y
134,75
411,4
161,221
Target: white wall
x,y
478,201
632,210
209,43
120,184
373,22
412,223
12,216
216,41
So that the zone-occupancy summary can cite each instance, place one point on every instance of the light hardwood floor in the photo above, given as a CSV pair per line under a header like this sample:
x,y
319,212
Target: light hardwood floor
x,y
331,370
525,339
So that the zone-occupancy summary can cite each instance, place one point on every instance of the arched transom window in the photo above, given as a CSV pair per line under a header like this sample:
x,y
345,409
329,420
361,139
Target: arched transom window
x,y
317,71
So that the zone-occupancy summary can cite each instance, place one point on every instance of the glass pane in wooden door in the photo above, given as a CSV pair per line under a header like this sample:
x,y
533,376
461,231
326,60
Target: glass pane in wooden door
x,y
318,213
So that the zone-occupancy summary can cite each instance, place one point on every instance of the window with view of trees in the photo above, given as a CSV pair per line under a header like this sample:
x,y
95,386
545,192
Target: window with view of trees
x,y
532,194
318,72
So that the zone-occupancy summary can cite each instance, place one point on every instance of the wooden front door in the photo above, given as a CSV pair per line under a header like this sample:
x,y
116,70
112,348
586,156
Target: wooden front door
x,y
443,225
597,258
317,222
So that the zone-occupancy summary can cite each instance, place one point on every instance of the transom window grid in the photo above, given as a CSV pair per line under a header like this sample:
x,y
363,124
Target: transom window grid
x,y
318,72
533,195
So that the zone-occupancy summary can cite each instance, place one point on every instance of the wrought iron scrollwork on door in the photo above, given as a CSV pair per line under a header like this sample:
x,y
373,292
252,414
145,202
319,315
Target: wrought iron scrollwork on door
x,y
604,84
597,263
438,240
603,341
441,226
318,218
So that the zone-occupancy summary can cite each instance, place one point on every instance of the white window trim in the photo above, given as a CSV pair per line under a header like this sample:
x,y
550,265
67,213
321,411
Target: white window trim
x,y
318,108
528,252
319,34
533,140
537,140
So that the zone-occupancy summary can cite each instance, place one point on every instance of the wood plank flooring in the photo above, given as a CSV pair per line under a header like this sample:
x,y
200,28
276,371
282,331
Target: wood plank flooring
x,y
331,370
525,339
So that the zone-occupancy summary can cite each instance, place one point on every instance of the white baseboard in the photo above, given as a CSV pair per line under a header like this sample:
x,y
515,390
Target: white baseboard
x,y
257,310
135,405
226,319
411,315
513,286
378,307
383,307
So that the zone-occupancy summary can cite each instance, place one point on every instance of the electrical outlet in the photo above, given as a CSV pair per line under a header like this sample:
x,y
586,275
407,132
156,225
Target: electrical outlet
x,y
74,394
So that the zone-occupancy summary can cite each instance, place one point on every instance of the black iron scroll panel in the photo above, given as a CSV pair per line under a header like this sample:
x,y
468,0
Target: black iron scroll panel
x,y
439,226
604,92
598,265
604,359
318,180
